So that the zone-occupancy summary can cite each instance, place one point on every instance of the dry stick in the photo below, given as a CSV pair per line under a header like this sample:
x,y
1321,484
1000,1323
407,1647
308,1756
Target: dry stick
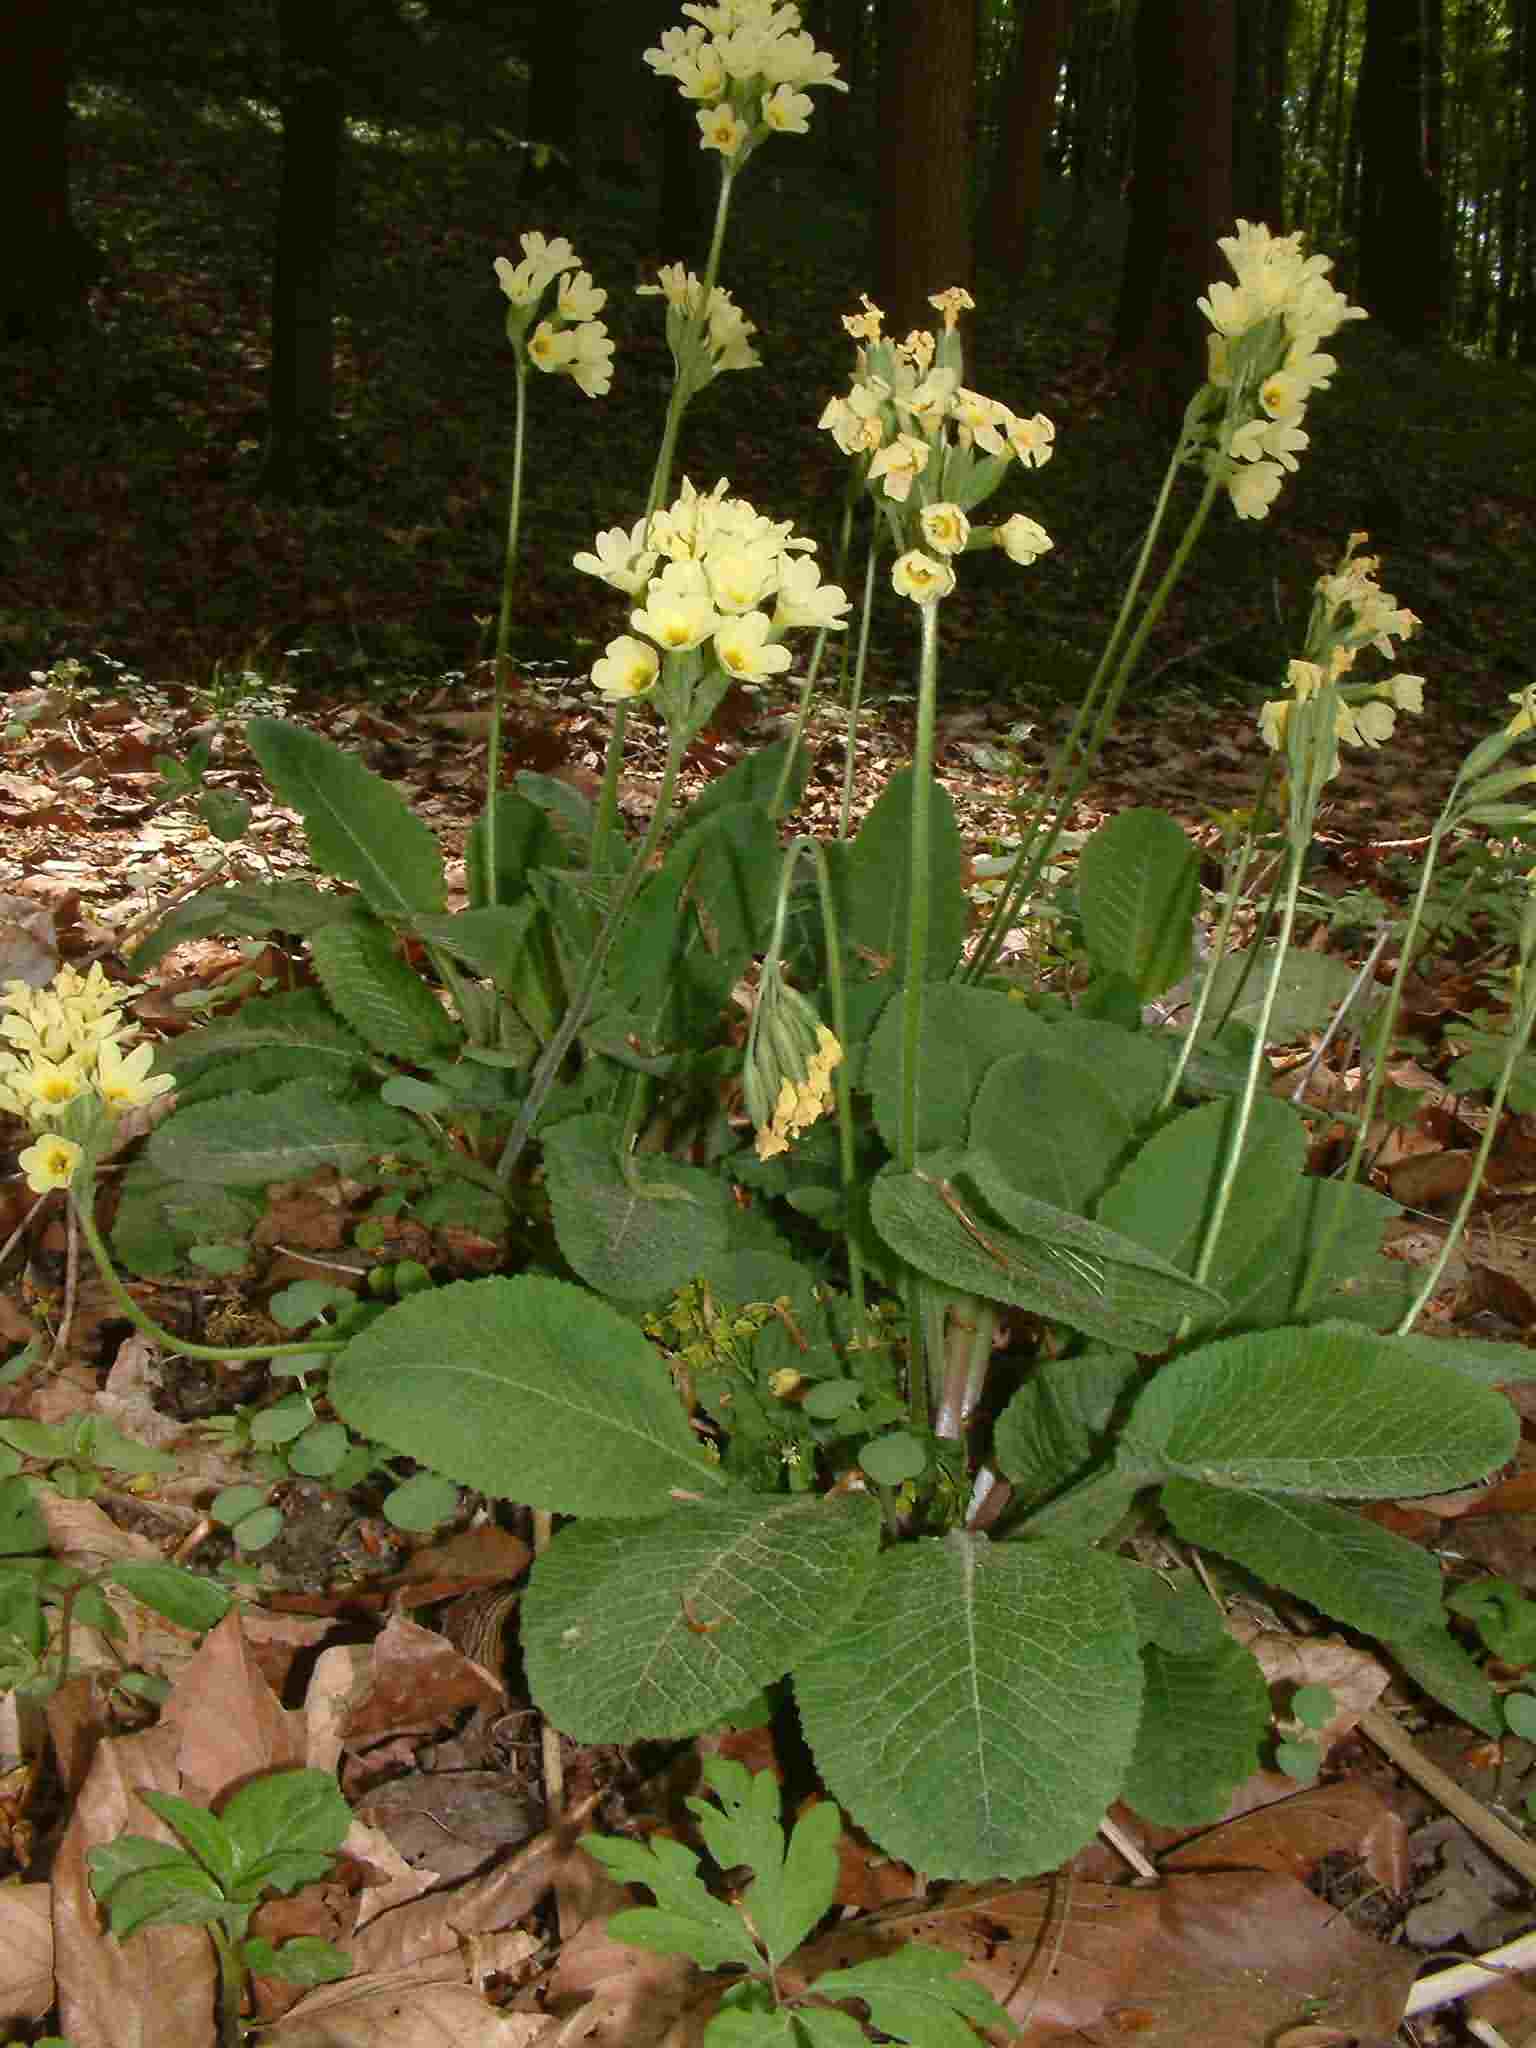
x,y
71,1287
1463,1979
1493,1833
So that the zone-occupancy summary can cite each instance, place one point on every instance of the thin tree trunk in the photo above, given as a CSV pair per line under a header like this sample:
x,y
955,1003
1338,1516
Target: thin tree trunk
x,y
1028,104
1399,204
300,450
927,97
48,262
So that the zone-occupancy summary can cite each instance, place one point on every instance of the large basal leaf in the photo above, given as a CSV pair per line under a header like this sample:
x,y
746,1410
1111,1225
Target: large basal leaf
x,y
1058,1424
528,1389
1067,1268
359,828
1138,887
1435,1661
1346,1566
872,882
965,1032
1202,1721
1317,1411
524,839
1266,1291
1052,1128
978,1712
251,1140
158,1217
1489,1363
490,940
1166,1193
248,910
657,1628
372,988
752,780
636,1239
1312,988
297,1025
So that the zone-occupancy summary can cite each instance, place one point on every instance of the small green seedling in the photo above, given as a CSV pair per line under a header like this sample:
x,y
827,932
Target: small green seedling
x,y
1298,1752
915,1994
276,1834
1503,1617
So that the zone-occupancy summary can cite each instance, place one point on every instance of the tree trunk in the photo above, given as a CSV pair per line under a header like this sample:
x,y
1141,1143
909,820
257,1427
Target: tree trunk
x,y
923,213
1399,213
300,454
48,262
1525,345
1181,196
1028,111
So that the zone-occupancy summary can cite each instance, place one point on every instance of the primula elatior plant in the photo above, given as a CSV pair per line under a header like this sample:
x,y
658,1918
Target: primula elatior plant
x,y
862,1299
274,1834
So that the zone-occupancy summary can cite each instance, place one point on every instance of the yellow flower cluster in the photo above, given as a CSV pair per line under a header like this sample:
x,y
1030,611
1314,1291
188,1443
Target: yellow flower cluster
x,y
702,349
746,62
1351,611
66,1044
1264,357
787,1076
707,567
571,340
932,448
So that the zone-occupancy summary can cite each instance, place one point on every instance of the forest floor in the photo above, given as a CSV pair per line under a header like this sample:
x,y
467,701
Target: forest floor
x,y
133,543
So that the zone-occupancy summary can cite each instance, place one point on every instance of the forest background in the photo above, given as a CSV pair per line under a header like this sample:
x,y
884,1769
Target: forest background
x,y
258,415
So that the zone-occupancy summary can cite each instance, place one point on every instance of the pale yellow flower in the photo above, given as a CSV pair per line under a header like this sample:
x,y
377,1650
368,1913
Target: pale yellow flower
x,y
1273,718
720,129
627,669
1021,539
983,421
551,348
50,1163
786,111
898,464
864,326
952,303
579,298
675,619
742,648
1032,440
804,600
590,363
622,559
1254,488
46,1088
1407,692
740,577
1525,718
123,1080
921,578
945,528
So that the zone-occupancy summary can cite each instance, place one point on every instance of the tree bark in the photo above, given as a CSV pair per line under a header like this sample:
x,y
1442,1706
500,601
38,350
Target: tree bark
x,y
1399,210
300,455
1028,111
922,217
49,264
1181,196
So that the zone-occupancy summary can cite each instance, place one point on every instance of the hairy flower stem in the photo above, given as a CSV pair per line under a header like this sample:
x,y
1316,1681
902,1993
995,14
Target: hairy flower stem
x,y
918,925
81,1197
504,627
803,709
850,745
579,1009
605,824
1100,702
232,1979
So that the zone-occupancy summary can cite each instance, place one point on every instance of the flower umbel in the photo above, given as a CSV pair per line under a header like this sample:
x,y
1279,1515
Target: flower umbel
x,y
787,1079
570,339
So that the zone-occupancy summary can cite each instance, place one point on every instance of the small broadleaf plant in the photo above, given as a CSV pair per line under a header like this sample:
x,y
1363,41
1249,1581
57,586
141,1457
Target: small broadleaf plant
x,y
915,1994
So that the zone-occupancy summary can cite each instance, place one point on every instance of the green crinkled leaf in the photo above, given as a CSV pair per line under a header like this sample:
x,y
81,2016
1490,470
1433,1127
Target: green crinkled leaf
x,y
184,1597
1309,1411
977,1713
359,828
1348,1567
1173,1610
918,1993
1203,1719
872,879
1265,1292
1164,1196
1058,1424
488,940
247,911
159,1216
753,780
966,1031
1490,1364
530,1390
1066,1267
298,1023
1436,1662
372,988
657,1628
1051,1128
1312,987
524,839
1138,887
252,1140
630,1242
